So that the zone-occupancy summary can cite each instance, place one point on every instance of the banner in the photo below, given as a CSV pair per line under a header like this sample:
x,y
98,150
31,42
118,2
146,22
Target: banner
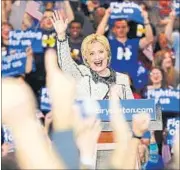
x,y
13,64
125,10
8,138
22,39
129,107
45,100
33,9
167,98
172,126
176,6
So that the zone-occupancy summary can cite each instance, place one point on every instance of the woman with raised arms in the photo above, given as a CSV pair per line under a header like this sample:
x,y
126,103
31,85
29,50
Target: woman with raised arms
x,y
94,78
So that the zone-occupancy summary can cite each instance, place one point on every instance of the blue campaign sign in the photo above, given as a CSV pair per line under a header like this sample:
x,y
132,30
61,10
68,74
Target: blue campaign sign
x,y
8,137
13,64
176,6
125,10
44,100
167,98
22,39
129,107
172,126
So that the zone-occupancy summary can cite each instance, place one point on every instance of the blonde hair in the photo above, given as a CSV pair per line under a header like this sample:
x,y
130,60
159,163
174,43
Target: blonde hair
x,y
171,73
94,38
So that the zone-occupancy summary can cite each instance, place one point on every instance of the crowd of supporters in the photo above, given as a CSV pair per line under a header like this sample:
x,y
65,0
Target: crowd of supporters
x,y
149,56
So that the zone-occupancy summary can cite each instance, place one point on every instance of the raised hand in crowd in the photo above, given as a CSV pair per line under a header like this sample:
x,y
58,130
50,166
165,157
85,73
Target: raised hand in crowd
x,y
61,91
104,22
169,26
4,149
59,24
87,131
149,38
48,122
29,61
122,134
18,112
126,146
91,5
140,125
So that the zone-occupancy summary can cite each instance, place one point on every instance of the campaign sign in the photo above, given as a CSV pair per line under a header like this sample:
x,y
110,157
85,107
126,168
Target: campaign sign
x,y
13,64
8,138
172,127
167,98
125,10
44,100
22,39
176,6
129,107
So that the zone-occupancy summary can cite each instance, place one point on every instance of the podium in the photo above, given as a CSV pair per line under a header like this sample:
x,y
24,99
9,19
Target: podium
x,y
105,144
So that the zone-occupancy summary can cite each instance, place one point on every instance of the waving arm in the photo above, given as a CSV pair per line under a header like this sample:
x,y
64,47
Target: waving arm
x,y
66,63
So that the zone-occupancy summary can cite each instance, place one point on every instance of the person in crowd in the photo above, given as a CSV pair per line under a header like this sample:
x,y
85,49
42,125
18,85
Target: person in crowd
x,y
136,94
27,22
6,28
63,137
98,15
75,40
173,37
174,163
162,43
157,79
4,144
165,60
95,77
49,5
155,160
143,154
92,6
48,37
125,50
62,92
6,9
166,149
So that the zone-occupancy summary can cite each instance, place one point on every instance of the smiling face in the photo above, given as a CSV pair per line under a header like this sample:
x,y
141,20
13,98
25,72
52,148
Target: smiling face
x,y
46,21
75,29
156,76
163,43
97,57
5,31
121,29
167,61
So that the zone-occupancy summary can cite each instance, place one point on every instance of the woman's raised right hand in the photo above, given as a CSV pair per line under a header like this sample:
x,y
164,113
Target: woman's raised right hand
x,y
59,24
